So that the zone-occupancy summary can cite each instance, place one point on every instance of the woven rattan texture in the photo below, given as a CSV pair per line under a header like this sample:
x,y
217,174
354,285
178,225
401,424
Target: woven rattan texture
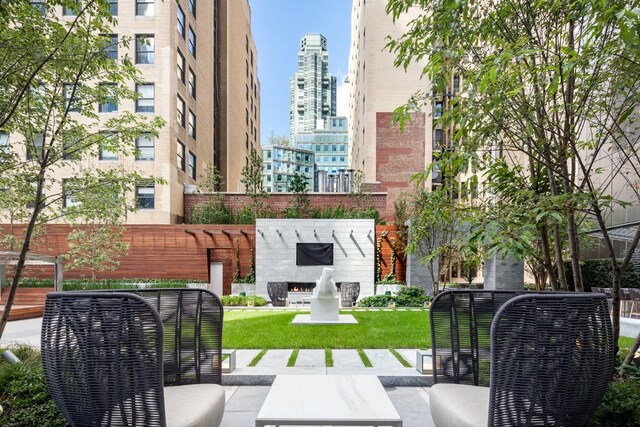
x,y
349,293
278,293
102,358
551,359
460,334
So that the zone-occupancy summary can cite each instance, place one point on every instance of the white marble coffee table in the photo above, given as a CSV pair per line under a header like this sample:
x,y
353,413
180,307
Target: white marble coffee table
x,y
345,400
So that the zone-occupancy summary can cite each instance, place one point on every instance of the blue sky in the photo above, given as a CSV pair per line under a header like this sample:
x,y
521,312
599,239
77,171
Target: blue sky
x,y
278,26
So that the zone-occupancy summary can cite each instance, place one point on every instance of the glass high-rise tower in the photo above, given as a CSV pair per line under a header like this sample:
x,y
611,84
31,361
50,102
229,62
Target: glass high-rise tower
x,y
312,87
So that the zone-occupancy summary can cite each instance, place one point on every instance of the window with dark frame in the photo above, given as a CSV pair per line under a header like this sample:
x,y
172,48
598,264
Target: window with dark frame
x,y
145,147
181,22
108,146
145,196
192,7
192,42
39,4
191,130
145,7
67,194
109,104
145,103
181,153
70,99
145,49
113,7
111,46
71,148
180,111
192,165
192,83
181,66
35,150
4,144
70,11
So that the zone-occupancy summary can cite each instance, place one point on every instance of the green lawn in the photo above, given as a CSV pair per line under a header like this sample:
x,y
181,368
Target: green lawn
x,y
375,329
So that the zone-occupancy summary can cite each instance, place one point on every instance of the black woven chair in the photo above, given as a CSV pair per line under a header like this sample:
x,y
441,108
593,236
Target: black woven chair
x,y
349,293
108,359
278,293
551,361
460,334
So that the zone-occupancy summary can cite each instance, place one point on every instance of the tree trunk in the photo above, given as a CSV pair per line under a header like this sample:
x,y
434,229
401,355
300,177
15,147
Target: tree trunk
x,y
559,261
632,351
546,254
615,306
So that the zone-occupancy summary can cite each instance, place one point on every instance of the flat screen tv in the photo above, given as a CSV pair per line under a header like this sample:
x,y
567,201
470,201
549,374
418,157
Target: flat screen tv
x,y
314,253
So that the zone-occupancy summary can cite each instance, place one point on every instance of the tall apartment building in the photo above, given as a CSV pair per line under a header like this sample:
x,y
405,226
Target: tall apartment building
x,y
237,99
282,163
387,157
312,91
185,51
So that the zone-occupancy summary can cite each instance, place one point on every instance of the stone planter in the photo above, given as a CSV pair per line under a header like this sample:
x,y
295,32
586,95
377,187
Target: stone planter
x,y
393,288
247,288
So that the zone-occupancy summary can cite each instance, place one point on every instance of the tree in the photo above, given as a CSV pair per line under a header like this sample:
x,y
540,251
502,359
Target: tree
x,y
550,86
253,185
299,205
54,74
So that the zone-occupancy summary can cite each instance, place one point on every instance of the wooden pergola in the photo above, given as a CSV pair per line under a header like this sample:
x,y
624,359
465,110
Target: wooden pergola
x,y
11,259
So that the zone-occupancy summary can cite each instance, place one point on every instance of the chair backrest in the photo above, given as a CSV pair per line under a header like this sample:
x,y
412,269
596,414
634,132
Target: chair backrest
x,y
634,294
460,334
349,293
192,321
551,359
102,358
277,293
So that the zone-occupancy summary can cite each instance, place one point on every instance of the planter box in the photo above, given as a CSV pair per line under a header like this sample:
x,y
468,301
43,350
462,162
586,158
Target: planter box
x,y
394,289
247,288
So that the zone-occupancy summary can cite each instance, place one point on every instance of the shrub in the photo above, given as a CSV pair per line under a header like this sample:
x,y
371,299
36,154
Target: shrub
x,y
240,301
211,212
597,273
409,296
23,393
246,215
620,405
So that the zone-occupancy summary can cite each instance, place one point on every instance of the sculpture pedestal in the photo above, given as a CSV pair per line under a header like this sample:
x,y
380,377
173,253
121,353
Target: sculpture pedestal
x,y
324,309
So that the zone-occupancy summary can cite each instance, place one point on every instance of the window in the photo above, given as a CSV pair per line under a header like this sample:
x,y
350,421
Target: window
x,y
111,46
145,49
70,11
145,196
35,150
71,148
113,7
108,146
39,4
70,99
192,125
180,159
145,7
192,42
68,190
192,165
181,19
109,103
246,116
145,102
192,83
180,63
180,111
145,144
4,144
192,7
246,141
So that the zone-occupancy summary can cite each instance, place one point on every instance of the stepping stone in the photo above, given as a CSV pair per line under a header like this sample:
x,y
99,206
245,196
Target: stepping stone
x,y
244,357
346,359
275,359
382,359
409,355
310,358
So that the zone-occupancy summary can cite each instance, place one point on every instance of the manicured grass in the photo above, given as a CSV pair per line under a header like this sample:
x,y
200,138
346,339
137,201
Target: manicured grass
x,y
292,359
400,358
328,358
365,359
258,357
375,329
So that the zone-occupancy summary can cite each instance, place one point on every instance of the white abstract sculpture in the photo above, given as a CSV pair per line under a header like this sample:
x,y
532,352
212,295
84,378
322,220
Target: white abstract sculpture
x,y
325,302
325,286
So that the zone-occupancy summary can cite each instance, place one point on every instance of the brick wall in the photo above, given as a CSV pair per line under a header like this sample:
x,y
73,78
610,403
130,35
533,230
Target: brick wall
x,y
169,252
399,155
279,201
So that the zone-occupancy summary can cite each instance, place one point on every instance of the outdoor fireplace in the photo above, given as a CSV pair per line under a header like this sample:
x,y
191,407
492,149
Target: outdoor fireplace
x,y
301,286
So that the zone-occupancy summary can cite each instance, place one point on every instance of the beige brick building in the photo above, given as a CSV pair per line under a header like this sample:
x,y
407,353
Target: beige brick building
x,y
191,55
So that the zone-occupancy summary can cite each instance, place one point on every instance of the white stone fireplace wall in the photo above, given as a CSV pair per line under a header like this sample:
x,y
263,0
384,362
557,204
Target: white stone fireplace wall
x,y
353,251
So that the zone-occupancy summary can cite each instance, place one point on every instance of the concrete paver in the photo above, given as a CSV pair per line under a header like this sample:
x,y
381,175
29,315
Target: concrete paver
x,y
347,359
409,355
383,359
244,357
275,359
310,358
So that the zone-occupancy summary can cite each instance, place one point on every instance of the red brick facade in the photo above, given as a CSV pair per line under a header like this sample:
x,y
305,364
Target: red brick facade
x,y
399,155
279,201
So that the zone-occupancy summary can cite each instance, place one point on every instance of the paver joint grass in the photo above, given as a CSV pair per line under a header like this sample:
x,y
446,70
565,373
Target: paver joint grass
x,y
328,358
400,358
293,357
258,357
365,359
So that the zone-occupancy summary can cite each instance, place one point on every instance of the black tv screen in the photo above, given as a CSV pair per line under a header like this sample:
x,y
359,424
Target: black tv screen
x,y
314,253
